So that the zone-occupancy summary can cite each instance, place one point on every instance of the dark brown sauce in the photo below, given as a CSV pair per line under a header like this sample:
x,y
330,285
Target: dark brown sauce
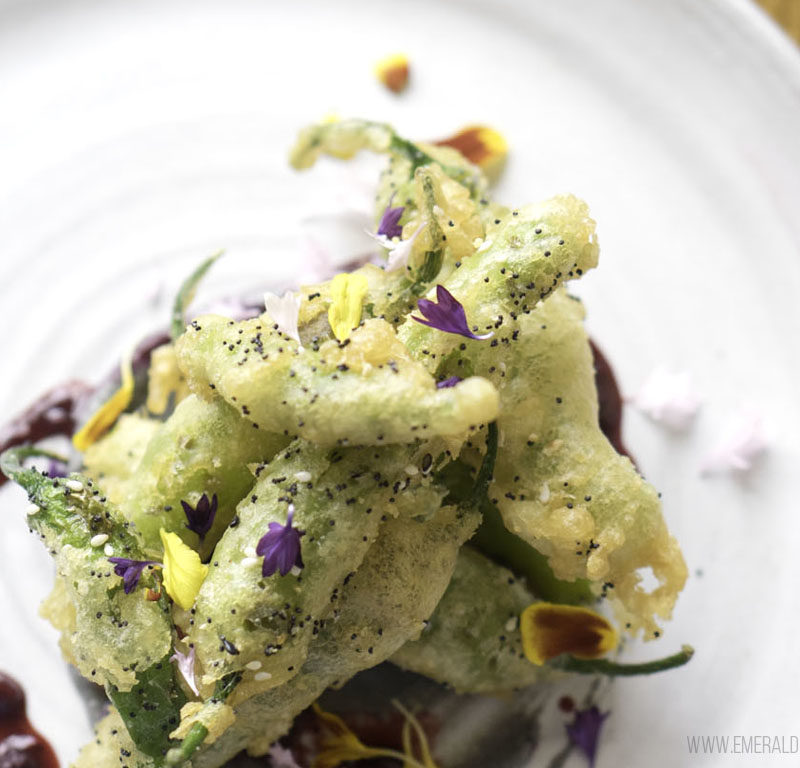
x,y
21,746
610,400
55,413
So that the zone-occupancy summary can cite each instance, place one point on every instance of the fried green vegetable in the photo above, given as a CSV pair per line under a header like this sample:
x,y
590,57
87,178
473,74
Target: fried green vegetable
x,y
204,447
343,139
559,484
369,478
386,603
527,257
340,499
111,742
368,391
111,460
472,642
115,635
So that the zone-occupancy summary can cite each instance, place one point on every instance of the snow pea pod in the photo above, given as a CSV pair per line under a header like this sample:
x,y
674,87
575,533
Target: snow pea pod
x,y
112,635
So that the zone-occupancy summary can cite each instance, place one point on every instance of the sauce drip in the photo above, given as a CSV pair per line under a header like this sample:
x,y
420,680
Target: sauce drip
x,y
20,744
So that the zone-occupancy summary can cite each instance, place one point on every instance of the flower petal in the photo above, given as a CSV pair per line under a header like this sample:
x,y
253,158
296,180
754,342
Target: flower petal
x,y
185,664
201,516
285,312
548,630
130,571
105,416
280,547
481,145
400,253
584,731
447,315
451,382
347,297
668,398
744,443
393,72
183,571
389,225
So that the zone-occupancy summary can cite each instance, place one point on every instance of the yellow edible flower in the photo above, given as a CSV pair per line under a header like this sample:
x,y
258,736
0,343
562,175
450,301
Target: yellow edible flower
x,y
105,416
339,744
484,146
347,296
548,630
393,72
183,571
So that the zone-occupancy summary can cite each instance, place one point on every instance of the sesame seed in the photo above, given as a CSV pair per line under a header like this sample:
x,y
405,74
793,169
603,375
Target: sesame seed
x,y
108,550
412,470
76,486
302,476
254,665
33,509
99,540
248,561
262,676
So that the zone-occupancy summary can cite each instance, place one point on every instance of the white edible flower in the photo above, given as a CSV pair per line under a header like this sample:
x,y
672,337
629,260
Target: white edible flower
x,y
668,398
185,664
280,757
398,251
745,442
284,311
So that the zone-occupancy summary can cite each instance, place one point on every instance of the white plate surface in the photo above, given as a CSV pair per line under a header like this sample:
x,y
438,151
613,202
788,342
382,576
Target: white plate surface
x,y
137,137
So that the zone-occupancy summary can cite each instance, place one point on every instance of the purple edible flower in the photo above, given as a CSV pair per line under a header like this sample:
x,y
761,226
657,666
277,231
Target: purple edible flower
x,y
201,517
280,547
451,382
388,224
447,315
584,731
57,469
130,570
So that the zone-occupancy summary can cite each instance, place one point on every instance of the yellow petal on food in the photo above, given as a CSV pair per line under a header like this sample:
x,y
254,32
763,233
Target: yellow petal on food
x,y
347,297
393,71
183,571
548,630
339,744
104,417
484,146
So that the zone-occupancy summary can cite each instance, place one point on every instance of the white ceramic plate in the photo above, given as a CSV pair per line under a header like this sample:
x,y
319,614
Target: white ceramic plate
x,y
137,137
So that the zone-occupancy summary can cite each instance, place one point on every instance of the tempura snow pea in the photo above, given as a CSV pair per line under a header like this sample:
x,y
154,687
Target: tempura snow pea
x,y
365,392
528,256
385,603
204,447
472,641
341,497
113,635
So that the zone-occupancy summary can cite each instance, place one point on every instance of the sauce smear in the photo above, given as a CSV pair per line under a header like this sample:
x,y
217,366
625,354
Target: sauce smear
x,y
21,746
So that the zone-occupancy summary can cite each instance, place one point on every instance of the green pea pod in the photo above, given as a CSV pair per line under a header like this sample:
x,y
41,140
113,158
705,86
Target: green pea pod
x,y
522,261
344,138
112,636
365,392
385,604
472,642
203,448
340,499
